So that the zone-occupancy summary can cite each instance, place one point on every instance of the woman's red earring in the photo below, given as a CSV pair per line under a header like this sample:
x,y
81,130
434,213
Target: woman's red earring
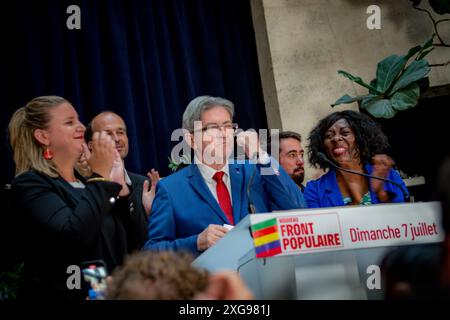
x,y
48,154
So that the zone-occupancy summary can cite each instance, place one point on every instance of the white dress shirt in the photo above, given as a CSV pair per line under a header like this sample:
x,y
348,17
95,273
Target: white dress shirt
x,y
208,174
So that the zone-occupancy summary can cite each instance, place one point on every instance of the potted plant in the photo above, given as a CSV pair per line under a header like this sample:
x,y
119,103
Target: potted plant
x,y
397,83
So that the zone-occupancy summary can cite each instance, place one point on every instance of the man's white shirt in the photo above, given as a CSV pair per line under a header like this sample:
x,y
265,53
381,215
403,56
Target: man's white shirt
x,y
208,174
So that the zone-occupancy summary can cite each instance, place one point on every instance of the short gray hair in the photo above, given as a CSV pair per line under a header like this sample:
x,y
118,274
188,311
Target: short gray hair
x,y
200,104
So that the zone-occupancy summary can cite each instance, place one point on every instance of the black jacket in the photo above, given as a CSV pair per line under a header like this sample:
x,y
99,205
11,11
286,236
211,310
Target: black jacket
x,y
60,225
138,217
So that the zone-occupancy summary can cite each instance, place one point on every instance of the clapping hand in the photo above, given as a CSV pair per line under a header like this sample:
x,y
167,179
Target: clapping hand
x,y
118,174
102,156
382,164
149,195
82,164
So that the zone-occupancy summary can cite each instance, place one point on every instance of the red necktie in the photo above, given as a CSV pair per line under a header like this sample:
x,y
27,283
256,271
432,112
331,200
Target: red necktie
x,y
223,196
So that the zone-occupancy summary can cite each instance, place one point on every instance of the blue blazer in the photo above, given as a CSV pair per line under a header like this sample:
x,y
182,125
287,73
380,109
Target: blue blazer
x,y
324,192
184,206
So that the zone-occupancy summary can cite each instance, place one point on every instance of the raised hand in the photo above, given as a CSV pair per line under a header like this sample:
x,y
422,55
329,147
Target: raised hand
x,y
118,173
101,158
149,195
82,165
249,141
382,164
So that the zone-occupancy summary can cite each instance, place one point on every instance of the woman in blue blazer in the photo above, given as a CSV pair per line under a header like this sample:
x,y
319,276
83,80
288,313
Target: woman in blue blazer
x,y
352,141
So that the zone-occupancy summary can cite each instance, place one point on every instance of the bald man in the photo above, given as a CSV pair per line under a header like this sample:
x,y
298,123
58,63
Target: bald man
x,y
141,197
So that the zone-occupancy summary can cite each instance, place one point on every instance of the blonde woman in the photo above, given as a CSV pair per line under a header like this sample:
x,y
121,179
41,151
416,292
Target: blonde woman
x,y
65,219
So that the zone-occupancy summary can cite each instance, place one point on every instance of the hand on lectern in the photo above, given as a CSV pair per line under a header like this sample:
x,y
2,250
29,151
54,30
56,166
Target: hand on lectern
x,y
210,236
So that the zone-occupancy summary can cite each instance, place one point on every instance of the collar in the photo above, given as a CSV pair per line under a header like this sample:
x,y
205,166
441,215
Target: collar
x,y
127,178
208,172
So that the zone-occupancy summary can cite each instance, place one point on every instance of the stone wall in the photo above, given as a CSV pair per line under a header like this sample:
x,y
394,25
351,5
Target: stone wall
x,y
303,43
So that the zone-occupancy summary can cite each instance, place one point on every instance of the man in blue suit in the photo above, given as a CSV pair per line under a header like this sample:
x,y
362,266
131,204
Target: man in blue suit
x,y
192,206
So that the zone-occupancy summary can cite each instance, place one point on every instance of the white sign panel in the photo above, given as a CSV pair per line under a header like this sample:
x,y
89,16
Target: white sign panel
x,y
341,228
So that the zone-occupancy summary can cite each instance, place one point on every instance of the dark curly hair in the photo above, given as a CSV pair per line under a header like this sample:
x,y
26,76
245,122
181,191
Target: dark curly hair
x,y
369,138
150,275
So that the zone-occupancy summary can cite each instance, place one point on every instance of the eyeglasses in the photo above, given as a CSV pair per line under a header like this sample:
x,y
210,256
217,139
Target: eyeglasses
x,y
215,129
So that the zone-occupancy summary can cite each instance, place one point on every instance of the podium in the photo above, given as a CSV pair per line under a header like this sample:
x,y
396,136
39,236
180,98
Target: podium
x,y
348,268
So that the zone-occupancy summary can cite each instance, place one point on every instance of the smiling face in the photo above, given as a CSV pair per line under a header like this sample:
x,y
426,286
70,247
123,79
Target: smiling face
x,y
115,127
291,159
340,143
64,134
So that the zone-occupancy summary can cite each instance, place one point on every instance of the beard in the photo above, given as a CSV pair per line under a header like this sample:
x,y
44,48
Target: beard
x,y
298,177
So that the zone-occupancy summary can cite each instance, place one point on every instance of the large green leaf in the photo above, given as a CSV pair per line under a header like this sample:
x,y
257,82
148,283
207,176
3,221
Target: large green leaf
x,y
380,108
359,81
440,6
389,68
349,99
415,71
429,42
412,52
427,48
370,98
406,98
373,83
422,54
343,100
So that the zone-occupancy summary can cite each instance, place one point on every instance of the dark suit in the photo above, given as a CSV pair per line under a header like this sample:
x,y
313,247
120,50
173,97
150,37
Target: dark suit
x,y
64,226
139,235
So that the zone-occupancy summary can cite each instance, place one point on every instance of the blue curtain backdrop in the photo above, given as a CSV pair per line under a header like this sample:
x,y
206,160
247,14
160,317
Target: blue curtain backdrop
x,y
142,59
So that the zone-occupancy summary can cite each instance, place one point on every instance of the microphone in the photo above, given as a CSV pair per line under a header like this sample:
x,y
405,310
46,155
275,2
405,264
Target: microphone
x,y
240,151
324,158
251,206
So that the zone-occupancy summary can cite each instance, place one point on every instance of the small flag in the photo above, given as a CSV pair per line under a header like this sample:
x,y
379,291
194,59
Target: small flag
x,y
266,238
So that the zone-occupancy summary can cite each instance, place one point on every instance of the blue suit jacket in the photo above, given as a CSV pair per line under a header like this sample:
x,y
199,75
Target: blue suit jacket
x,y
184,206
324,192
